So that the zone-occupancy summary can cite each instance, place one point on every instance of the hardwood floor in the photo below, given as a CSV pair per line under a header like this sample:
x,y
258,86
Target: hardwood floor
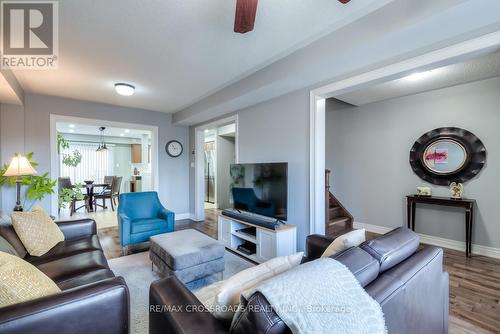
x,y
474,282
474,291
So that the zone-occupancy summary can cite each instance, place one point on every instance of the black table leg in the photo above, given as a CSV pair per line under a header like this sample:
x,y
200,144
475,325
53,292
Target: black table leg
x,y
471,223
467,231
90,192
413,207
408,213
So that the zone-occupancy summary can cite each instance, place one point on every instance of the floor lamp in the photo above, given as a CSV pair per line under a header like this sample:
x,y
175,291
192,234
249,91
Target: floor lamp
x,y
19,167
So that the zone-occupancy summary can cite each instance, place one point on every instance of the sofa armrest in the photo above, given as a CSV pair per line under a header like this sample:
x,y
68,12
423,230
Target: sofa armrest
x,y
414,294
166,214
174,309
316,245
124,229
101,307
74,229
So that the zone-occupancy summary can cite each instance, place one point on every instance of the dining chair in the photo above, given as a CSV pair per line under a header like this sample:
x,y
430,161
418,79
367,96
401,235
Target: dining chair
x,y
108,180
110,194
65,183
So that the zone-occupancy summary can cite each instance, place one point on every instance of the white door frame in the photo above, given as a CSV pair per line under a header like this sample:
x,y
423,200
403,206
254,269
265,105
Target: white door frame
x,y
54,157
199,175
438,58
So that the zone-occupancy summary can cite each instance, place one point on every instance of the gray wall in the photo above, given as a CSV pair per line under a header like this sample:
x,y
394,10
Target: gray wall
x,y
225,147
278,131
368,150
173,172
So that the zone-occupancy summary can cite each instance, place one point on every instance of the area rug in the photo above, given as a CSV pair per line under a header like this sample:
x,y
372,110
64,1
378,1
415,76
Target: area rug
x,y
136,270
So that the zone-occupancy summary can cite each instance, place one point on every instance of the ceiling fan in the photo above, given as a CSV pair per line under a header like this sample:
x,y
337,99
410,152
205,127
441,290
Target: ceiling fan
x,y
245,15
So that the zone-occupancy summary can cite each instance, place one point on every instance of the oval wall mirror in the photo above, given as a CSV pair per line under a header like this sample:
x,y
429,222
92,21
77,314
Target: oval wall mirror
x,y
447,155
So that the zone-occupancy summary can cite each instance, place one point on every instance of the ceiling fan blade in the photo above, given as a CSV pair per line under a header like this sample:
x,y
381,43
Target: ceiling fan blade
x,y
245,15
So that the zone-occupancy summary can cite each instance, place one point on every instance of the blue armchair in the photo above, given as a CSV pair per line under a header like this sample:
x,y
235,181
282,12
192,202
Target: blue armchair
x,y
141,215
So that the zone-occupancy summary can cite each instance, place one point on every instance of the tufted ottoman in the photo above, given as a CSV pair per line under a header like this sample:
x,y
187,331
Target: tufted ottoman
x,y
188,254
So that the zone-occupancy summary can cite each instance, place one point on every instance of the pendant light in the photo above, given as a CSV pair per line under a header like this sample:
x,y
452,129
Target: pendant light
x,y
102,145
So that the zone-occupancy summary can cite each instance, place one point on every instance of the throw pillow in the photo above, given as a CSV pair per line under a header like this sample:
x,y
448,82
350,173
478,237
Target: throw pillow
x,y
21,281
226,298
37,231
348,240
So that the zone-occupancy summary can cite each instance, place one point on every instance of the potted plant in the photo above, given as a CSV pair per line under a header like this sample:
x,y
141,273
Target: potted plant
x,y
67,195
37,186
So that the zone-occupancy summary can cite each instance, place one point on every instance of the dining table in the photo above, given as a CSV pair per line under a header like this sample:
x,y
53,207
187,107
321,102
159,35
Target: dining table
x,y
90,192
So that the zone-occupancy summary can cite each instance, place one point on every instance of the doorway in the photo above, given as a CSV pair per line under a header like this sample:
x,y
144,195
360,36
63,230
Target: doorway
x,y
216,150
88,154
426,62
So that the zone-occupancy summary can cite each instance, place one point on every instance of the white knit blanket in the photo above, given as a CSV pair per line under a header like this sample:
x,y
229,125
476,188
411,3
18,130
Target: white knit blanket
x,y
322,296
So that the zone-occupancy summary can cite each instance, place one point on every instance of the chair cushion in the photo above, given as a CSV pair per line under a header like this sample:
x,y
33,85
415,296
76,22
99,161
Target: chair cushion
x,y
67,248
148,224
20,281
37,231
73,265
393,247
86,278
363,266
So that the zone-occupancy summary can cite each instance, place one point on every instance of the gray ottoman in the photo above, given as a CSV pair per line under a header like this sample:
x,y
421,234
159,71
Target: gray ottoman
x,y
188,254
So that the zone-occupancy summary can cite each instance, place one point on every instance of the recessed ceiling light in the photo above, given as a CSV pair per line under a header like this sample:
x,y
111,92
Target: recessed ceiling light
x,y
71,130
127,130
124,89
122,134
419,75
71,126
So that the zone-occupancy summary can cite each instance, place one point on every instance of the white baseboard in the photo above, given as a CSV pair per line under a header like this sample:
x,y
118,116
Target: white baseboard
x,y
181,216
436,241
192,216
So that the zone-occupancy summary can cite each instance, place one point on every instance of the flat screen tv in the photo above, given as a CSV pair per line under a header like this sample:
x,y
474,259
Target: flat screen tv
x,y
260,188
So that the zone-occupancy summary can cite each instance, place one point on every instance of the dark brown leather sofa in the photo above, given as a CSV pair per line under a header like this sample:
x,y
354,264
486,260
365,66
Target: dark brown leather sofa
x,y
92,300
407,281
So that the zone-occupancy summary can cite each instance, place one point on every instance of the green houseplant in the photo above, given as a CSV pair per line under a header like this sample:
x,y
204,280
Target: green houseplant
x,y
72,159
37,186
66,195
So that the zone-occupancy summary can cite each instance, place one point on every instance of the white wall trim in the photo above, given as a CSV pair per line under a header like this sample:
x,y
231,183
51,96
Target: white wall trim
x,y
317,165
437,241
427,61
199,184
181,216
54,158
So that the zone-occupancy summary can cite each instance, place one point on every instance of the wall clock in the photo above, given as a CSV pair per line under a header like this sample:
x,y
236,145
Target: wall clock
x,y
174,148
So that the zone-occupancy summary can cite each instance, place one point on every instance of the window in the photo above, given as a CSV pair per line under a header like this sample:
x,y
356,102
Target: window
x,y
94,165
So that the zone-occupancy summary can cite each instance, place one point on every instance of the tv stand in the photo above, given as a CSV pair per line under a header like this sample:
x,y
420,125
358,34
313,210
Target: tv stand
x,y
269,242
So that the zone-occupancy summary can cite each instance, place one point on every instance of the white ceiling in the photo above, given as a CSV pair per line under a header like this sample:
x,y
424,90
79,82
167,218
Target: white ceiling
x,y
479,68
175,51
84,129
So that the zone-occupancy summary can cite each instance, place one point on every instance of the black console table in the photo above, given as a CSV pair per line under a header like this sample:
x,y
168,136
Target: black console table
x,y
467,204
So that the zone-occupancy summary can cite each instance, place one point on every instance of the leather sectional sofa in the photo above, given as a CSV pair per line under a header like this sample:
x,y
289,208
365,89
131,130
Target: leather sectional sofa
x,y
408,281
92,300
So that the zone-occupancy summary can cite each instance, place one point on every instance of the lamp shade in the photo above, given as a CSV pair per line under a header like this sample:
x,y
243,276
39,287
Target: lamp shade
x,y
19,166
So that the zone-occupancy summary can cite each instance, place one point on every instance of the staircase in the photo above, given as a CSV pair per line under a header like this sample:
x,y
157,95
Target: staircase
x,y
337,218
